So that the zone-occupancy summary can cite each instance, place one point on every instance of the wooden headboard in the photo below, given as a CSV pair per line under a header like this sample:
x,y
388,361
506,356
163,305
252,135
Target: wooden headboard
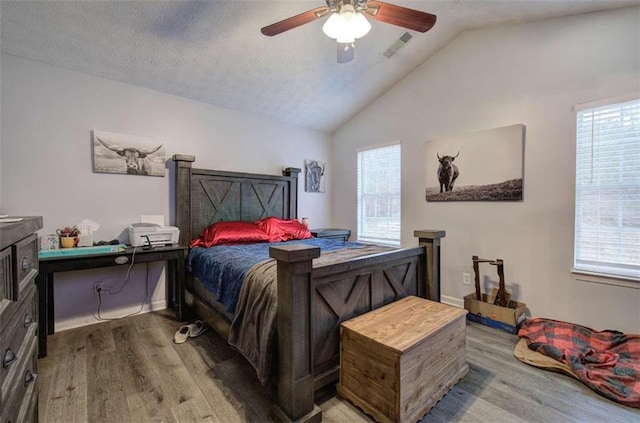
x,y
204,197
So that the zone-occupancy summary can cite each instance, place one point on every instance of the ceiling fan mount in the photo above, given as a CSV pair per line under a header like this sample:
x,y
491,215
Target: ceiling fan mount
x,y
347,21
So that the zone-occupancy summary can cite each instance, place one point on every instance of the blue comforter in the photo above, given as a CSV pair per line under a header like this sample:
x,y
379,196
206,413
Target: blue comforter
x,y
222,268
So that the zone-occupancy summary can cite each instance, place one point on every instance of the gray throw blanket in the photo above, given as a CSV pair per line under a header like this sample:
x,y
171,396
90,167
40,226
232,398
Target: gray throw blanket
x,y
253,329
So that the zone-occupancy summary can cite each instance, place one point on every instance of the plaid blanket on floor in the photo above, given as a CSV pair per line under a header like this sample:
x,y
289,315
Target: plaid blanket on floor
x,y
608,361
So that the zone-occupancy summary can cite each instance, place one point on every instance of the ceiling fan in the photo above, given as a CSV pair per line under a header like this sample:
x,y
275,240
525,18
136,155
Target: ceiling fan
x,y
347,21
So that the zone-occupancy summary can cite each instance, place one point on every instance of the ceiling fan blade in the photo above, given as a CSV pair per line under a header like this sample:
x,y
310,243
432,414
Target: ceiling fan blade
x,y
345,52
400,16
294,21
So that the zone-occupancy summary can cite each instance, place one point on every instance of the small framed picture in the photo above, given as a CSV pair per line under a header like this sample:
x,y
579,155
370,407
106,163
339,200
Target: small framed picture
x,y
314,175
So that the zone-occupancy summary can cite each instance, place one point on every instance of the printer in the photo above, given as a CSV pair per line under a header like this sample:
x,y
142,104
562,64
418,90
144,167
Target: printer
x,y
145,234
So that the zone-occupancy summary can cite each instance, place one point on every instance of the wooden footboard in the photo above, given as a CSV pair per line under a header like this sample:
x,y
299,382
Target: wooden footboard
x,y
313,302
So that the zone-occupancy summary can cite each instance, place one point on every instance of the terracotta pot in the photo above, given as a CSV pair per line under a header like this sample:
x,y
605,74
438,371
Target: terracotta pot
x,y
68,241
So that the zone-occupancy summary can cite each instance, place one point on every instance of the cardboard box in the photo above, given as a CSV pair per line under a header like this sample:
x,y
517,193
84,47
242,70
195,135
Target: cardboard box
x,y
503,318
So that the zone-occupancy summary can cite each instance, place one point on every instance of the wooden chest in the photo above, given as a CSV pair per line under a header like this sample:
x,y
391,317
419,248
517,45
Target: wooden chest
x,y
397,361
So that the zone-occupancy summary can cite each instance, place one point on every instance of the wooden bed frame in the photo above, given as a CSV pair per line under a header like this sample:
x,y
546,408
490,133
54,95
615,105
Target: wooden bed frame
x,y
311,302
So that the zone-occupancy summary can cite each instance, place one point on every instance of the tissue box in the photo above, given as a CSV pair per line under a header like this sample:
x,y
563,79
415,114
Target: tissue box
x,y
85,240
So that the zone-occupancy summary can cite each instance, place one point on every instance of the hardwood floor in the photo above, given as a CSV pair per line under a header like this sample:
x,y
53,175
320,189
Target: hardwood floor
x,y
131,371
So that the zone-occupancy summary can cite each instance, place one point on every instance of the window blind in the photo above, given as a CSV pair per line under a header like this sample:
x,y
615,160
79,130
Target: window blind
x,y
379,176
607,215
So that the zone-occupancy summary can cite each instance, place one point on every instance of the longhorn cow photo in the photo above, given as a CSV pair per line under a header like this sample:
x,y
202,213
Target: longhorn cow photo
x,y
120,153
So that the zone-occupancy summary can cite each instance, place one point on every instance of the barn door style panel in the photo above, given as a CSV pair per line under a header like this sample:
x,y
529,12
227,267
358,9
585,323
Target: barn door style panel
x,y
398,281
216,200
264,199
342,296
337,300
205,196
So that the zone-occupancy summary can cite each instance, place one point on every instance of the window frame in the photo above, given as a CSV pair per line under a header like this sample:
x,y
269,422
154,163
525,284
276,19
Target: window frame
x,y
586,272
390,197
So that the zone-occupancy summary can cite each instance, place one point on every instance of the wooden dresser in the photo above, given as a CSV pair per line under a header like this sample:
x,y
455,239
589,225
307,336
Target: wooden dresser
x,y
18,320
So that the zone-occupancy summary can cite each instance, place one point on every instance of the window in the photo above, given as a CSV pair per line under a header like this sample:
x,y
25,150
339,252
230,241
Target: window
x,y
379,195
607,220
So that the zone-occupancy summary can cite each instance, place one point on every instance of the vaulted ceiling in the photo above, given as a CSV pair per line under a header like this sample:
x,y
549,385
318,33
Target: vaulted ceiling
x,y
213,51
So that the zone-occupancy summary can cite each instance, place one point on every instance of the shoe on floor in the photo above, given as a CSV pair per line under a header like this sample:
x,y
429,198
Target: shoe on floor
x,y
197,328
182,334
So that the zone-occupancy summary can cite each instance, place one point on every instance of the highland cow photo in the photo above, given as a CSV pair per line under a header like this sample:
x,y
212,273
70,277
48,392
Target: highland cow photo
x,y
483,166
314,176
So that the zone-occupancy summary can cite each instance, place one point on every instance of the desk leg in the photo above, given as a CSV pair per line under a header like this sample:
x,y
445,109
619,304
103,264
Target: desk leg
x,y
171,283
44,282
51,322
180,288
175,285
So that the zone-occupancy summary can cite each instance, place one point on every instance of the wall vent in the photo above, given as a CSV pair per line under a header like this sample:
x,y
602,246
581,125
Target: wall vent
x,y
397,45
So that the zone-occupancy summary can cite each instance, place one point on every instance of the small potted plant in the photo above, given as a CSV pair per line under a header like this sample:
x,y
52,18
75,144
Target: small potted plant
x,y
68,236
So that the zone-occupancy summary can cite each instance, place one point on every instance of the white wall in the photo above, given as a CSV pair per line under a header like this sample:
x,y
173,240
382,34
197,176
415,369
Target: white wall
x,y
532,74
1,212
48,114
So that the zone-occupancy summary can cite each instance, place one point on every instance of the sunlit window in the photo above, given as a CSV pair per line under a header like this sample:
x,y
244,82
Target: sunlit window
x,y
607,220
379,195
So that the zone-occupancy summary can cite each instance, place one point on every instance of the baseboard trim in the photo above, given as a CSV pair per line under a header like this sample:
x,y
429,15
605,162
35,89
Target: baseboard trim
x,y
80,321
453,301
86,320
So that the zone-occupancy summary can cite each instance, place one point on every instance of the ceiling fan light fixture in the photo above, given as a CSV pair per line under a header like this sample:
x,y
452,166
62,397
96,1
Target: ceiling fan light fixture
x,y
360,25
347,21
347,25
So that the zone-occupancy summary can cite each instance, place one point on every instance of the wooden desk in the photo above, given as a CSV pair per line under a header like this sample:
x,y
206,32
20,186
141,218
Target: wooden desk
x,y
174,255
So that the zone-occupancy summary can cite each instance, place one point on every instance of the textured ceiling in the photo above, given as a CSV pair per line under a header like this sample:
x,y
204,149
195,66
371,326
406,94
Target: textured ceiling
x,y
213,51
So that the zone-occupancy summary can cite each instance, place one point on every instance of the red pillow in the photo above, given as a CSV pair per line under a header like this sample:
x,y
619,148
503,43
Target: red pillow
x,y
233,232
283,229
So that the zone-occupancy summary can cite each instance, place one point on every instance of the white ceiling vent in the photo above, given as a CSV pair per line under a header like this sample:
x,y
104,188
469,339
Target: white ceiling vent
x,y
397,45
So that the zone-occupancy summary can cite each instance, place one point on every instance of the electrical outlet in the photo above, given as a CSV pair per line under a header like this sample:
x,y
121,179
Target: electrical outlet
x,y
466,279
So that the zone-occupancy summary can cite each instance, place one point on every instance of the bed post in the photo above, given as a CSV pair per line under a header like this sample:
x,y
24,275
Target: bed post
x,y
293,193
183,195
430,239
295,352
